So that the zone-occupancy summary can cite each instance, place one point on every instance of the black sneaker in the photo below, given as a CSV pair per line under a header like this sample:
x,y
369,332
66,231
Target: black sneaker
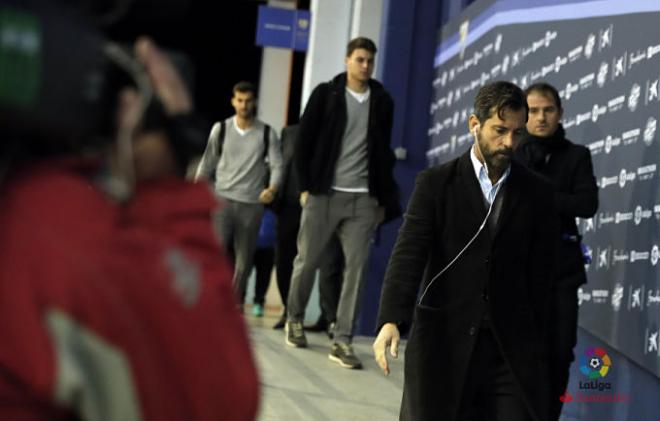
x,y
280,323
295,335
344,355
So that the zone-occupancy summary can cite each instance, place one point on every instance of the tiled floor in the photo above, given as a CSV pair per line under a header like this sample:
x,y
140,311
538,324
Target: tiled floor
x,y
303,384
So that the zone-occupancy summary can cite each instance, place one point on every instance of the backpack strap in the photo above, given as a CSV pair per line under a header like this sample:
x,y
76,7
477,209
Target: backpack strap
x,y
266,141
221,137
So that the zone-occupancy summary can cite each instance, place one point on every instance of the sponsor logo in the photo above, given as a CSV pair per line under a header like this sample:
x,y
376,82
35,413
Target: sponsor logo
x,y
633,98
649,131
595,363
583,296
589,45
601,78
636,298
616,104
587,81
605,218
515,58
652,91
605,38
641,214
600,296
625,177
656,210
619,256
611,142
575,53
636,57
655,255
498,43
619,66
596,147
620,217
629,137
652,50
581,118
505,64
589,222
617,296
653,297
636,256
570,90
651,342
608,181
597,111
603,259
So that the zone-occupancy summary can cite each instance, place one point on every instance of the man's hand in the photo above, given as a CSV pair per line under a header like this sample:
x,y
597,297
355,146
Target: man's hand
x,y
267,195
388,336
303,198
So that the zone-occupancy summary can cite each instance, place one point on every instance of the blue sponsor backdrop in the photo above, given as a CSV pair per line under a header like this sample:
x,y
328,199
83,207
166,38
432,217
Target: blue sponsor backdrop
x,y
604,57
283,28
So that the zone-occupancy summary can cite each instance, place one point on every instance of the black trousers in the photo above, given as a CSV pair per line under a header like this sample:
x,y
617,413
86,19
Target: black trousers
x,y
491,392
263,266
564,339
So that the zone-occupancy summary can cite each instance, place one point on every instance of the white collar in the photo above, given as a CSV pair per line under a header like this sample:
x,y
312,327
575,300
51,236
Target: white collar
x,y
359,96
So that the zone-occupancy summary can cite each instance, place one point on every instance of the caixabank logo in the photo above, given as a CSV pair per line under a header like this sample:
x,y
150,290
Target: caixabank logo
x,y
595,364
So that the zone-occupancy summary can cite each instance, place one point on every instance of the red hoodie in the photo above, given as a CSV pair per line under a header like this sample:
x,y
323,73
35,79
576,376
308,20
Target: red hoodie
x,y
120,311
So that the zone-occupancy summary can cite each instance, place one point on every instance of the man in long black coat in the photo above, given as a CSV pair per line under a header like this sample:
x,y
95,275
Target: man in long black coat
x,y
568,167
480,231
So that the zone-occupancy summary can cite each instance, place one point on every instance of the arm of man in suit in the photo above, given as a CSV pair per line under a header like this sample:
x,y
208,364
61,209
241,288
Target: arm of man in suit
x,y
582,201
405,270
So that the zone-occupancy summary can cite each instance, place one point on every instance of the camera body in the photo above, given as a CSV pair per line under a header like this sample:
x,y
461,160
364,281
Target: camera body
x,y
54,78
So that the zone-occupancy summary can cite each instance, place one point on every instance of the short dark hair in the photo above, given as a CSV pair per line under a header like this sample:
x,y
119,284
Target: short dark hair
x,y
498,96
245,87
547,89
360,42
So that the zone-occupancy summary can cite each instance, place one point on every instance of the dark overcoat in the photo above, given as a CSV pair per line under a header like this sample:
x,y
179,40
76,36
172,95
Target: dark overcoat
x,y
507,273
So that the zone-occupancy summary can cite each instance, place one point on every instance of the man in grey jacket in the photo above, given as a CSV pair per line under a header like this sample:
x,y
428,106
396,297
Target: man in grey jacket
x,y
245,155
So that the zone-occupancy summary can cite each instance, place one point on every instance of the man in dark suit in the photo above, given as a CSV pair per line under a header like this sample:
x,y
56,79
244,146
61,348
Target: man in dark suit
x,y
568,167
479,230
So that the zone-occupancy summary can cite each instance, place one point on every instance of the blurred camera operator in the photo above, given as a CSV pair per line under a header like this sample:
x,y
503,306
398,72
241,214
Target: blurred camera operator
x,y
114,304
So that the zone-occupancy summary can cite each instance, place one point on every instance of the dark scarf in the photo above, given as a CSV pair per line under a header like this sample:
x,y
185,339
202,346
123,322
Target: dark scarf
x,y
535,150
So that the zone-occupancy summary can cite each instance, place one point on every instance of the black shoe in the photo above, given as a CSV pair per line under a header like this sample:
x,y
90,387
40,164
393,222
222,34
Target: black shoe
x,y
344,355
321,325
295,335
280,323
331,330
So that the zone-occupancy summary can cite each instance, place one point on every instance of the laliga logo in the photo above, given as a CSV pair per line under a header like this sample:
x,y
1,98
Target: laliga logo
x,y
638,215
595,364
622,178
655,255
649,131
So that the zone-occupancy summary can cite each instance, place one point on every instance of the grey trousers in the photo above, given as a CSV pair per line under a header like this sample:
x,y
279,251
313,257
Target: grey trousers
x,y
352,216
237,226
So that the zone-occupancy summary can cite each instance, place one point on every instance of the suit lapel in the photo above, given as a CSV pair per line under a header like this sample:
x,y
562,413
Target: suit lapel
x,y
470,188
511,196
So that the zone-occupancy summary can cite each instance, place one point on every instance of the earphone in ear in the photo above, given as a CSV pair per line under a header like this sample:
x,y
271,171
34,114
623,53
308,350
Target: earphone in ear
x,y
474,130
